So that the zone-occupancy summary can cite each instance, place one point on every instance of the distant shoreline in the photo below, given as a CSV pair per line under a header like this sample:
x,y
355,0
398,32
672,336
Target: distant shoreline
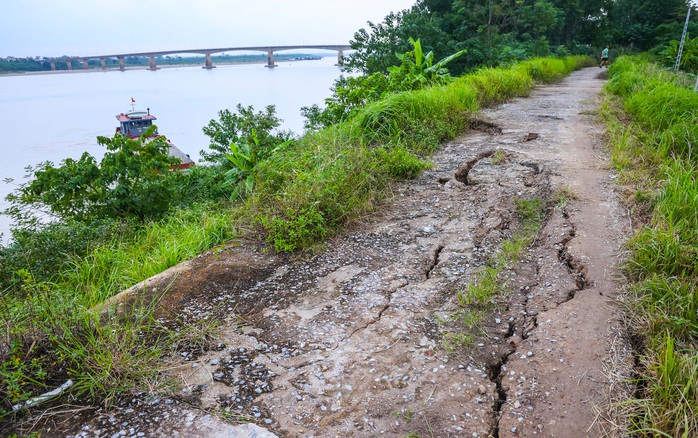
x,y
138,67
135,67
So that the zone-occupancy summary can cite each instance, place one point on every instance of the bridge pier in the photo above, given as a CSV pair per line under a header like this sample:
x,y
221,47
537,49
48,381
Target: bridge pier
x,y
270,59
340,57
152,67
53,65
209,64
121,63
68,64
104,63
85,64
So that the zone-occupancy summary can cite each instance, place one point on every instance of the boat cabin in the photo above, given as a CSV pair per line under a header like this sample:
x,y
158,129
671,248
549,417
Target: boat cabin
x,y
133,123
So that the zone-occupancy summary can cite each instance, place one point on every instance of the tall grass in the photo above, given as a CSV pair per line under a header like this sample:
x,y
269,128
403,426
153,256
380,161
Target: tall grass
x,y
51,334
340,173
656,150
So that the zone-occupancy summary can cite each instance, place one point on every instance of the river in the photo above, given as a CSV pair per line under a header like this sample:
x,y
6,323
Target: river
x,y
59,115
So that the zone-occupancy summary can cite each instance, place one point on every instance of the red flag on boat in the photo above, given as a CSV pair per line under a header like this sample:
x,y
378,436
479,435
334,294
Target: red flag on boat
x,y
133,101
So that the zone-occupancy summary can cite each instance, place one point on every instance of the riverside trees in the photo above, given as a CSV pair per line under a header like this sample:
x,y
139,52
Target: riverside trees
x,y
502,31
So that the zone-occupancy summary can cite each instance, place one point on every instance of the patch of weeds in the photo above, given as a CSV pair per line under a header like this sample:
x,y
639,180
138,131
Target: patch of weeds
x,y
232,417
195,338
296,230
499,157
481,294
406,415
564,197
19,374
454,341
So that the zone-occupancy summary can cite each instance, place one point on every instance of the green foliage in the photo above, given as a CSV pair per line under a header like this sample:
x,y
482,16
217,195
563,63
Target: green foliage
x,y
416,70
105,360
671,245
133,180
53,335
123,262
671,411
400,163
495,85
202,184
244,159
376,47
666,110
689,55
296,229
420,119
493,33
243,127
668,304
46,251
18,376
637,22
348,95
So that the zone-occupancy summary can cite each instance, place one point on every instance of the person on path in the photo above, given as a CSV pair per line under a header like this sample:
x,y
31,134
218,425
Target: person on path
x,y
604,58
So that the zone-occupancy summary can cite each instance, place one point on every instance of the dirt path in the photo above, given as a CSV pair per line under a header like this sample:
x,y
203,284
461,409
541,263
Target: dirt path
x,y
349,342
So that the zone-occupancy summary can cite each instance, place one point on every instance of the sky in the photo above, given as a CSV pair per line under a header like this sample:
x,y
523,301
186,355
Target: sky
x,y
95,27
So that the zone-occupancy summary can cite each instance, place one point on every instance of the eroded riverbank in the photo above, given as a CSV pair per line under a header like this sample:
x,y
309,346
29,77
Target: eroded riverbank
x,y
348,342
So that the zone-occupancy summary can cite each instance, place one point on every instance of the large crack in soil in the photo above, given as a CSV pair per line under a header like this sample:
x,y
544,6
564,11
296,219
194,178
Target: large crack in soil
x,y
522,327
350,341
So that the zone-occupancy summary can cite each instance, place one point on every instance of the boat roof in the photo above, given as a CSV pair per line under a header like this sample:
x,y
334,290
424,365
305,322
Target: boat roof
x,y
134,115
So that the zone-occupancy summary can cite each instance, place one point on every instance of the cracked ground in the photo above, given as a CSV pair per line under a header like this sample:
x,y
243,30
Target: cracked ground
x,y
349,341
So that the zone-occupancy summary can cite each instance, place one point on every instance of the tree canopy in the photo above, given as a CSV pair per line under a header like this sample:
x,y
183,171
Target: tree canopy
x,y
500,31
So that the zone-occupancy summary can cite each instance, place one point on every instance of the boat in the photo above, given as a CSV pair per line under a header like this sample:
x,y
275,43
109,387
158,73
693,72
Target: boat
x,y
134,123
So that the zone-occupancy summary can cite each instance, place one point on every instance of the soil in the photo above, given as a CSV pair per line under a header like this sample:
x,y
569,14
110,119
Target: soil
x,y
361,339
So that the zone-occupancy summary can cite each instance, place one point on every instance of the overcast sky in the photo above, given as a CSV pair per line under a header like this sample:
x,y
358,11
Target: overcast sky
x,y
94,27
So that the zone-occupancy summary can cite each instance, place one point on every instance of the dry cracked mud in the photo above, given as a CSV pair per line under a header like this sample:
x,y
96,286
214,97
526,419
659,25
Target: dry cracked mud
x,y
349,342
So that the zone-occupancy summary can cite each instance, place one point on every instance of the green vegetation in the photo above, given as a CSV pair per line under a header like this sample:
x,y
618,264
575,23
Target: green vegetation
x,y
416,70
127,183
652,120
497,33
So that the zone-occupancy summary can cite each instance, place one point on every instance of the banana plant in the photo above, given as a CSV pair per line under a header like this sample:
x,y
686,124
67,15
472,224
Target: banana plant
x,y
244,158
418,69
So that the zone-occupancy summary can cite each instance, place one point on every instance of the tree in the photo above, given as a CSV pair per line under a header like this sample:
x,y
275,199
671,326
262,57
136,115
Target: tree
x,y
636,23
376,47
134,179
246,127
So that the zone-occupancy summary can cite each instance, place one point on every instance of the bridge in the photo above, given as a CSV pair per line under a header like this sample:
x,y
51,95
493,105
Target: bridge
x,y
208,63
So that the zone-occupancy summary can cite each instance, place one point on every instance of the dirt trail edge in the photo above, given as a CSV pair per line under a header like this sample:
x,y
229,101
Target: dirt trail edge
x,y
349,342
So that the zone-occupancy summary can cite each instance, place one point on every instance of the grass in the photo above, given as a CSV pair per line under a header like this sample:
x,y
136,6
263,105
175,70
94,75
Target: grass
x,y
651,116
303,194
306,193
52,336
